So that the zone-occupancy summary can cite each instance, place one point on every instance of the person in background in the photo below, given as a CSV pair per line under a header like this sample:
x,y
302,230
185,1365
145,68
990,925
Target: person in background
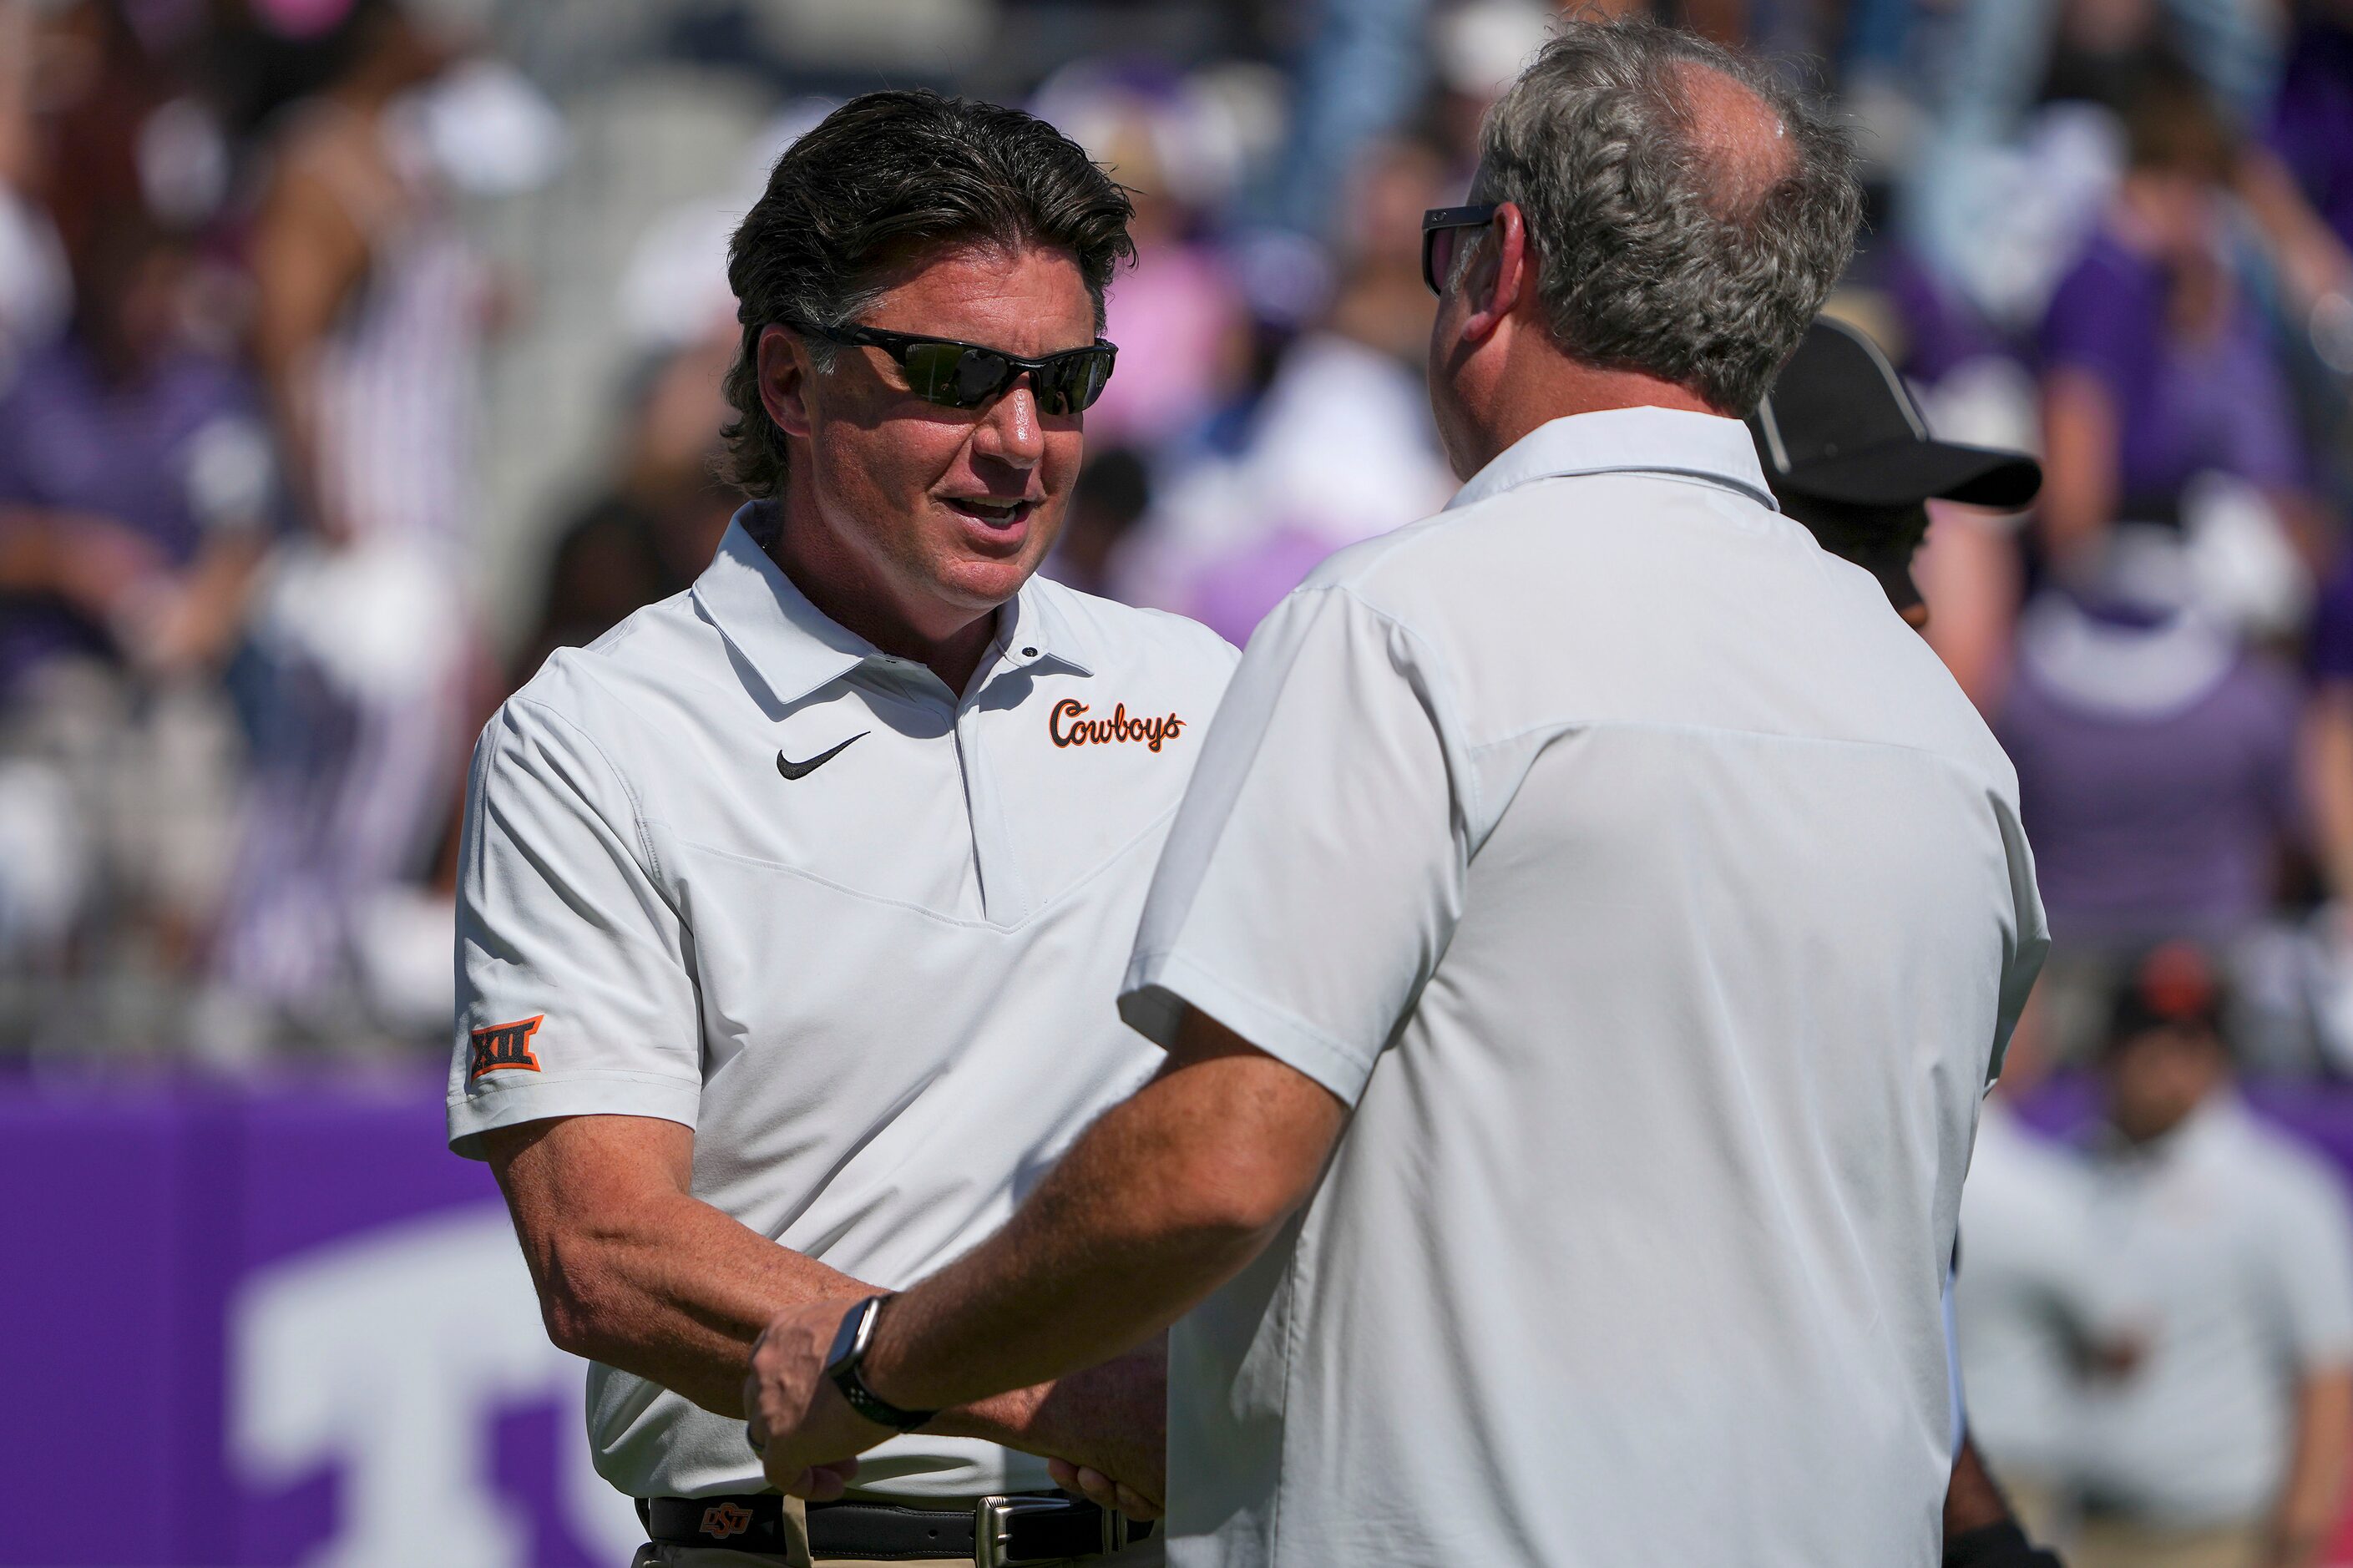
x,y
1179,314
34,285
1849,455
367,303
2227,1448
2311,129
368,307
651,533
1361,70
1113,492
137,496
2157,756
2155,743
2157,370
2328,781
1341,448
2036,1308
135,474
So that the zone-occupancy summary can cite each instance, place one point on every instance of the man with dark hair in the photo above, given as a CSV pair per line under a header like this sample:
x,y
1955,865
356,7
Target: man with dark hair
x,y
1579,955
2227,1445
794,908
1849,456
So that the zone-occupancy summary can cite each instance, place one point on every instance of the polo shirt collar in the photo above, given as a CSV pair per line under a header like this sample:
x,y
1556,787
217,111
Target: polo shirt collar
x,y
1676,441
2208,1132
798,648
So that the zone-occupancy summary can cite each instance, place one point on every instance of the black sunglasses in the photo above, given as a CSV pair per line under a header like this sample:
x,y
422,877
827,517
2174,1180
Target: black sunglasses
x,y
1439,227
965,376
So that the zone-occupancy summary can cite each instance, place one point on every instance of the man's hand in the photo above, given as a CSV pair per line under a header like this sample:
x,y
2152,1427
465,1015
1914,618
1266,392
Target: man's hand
x,y
803,1429
1097,1487
1104,1432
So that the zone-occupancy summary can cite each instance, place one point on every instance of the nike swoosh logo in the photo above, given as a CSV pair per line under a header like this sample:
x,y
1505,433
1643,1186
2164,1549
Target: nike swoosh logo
x,y
792,769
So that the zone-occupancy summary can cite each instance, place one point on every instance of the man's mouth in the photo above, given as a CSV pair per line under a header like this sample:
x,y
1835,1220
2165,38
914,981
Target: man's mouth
x,y
995,513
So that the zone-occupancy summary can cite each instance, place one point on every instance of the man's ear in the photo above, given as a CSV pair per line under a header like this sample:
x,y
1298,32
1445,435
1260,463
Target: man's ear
x,y
1502,273
783,380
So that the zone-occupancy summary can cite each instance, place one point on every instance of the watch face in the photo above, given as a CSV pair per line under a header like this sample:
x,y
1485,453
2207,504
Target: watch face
x,y
845,1338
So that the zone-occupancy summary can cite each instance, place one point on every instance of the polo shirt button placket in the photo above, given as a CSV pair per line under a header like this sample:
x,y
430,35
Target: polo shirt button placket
x,y
1004,891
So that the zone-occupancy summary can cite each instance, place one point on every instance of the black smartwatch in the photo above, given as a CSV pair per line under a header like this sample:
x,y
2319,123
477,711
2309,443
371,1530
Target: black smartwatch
x,y
844,1367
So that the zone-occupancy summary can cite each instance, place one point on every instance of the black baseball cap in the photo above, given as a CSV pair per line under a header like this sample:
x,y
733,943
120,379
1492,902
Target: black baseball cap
x,y
1839,427
2173,985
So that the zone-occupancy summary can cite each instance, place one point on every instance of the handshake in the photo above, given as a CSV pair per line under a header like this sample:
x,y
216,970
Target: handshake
x,y
1103,1431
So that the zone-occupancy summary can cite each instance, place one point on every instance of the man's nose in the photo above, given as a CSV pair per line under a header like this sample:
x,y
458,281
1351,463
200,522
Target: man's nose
x,y
1009,431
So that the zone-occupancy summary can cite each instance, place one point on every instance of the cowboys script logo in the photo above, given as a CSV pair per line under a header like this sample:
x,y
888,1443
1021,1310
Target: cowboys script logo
x,y
1069,726
500,1045
726,1519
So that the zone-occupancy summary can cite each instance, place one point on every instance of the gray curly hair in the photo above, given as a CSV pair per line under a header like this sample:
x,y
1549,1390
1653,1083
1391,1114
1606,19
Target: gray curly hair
x,y
1672,235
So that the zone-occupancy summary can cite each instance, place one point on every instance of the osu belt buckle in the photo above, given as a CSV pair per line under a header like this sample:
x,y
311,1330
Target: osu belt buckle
x,y
992,1527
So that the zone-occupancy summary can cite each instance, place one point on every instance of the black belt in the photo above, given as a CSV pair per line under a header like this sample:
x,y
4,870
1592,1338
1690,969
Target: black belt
x,y
1027,1527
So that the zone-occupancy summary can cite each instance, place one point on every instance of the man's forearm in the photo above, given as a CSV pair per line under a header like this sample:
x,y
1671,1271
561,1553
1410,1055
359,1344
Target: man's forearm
x,y
1165,1199
1067,1285
680,1297
664,1286
2324,1438
682,1307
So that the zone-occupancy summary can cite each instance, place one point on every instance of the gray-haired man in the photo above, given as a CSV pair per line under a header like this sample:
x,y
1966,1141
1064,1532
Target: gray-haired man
x,y
1579,954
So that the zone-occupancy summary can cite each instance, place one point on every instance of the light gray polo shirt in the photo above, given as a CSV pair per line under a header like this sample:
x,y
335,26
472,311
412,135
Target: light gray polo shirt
x,y
1658,903
2039,1285
734,867
2239,1244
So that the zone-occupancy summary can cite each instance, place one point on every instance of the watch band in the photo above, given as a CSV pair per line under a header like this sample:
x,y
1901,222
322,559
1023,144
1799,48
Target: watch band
x,y
847,1370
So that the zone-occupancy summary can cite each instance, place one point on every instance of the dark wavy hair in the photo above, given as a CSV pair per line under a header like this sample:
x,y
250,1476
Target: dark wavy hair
x,y
879,181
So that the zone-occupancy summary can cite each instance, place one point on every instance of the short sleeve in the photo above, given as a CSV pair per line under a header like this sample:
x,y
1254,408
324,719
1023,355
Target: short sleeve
x,y
1315,873
2314,1253
573,991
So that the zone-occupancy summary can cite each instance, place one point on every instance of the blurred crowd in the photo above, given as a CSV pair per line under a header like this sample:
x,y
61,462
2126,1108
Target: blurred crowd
x,y
355,353
266,561
239,330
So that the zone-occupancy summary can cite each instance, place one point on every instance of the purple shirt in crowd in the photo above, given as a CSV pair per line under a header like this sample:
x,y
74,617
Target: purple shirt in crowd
x,y
2332,628
2149,826
70,441
1941,332
2182,408
2312,122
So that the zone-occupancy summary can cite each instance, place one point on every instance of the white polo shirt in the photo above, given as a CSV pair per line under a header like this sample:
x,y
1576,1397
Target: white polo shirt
x,y
1658,903
2239,1242
2039,1285
881,991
